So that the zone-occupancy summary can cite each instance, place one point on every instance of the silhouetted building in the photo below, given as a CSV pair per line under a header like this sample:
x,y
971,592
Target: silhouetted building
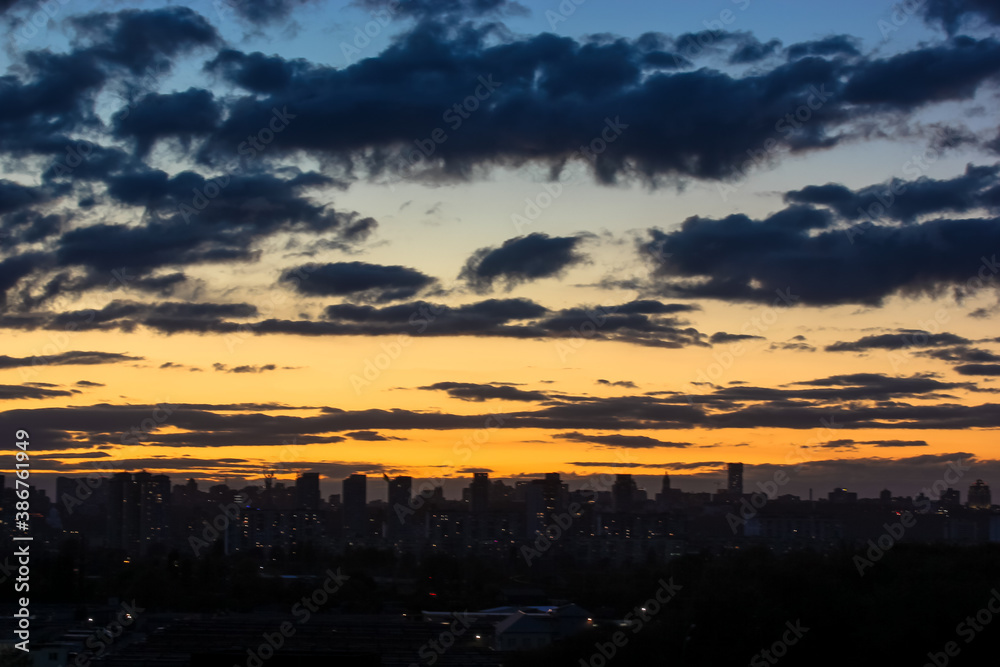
x,y
979,496
951,499
400,493
623,493
479,492
735,486
355,506
842,496
153,492
307,491
123,512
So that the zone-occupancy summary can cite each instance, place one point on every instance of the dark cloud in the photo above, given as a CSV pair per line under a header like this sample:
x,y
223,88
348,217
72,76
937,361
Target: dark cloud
x,y
88,383
260,13
205,220
628,384
835,45
184,115
796,343
453,9
168,317
506,318
906,201
372,282
962,354
722,337
618,440
843,443
650,307
140,40
223,368
791,258
903,338
896,443
945,72
522,259
72,358
468,391
256,71
576,91
369,436
753,51
978,369
11,392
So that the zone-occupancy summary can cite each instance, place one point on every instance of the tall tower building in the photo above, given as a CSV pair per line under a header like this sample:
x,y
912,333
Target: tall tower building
x,y
623,493
400,494
307,491
123,512
979,496
735,487
479,494
400,491
355,506
153,494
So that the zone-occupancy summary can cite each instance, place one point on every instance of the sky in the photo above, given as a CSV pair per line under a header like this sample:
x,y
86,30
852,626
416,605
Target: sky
x,y
437,238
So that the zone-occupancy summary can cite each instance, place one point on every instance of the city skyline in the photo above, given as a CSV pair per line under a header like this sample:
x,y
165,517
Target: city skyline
x,y
505,238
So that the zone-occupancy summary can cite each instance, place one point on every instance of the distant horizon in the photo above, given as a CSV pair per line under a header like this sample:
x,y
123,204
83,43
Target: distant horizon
x,y
378,488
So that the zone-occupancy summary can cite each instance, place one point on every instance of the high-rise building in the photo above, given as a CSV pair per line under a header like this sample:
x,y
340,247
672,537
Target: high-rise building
x,y
979,496
950,498
400,491
842,496
479,492
123,512
355,506
400,494
735,486
623,493
307,491
153,492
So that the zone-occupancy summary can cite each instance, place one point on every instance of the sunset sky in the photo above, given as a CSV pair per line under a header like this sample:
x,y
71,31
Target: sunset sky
x,y
437,237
